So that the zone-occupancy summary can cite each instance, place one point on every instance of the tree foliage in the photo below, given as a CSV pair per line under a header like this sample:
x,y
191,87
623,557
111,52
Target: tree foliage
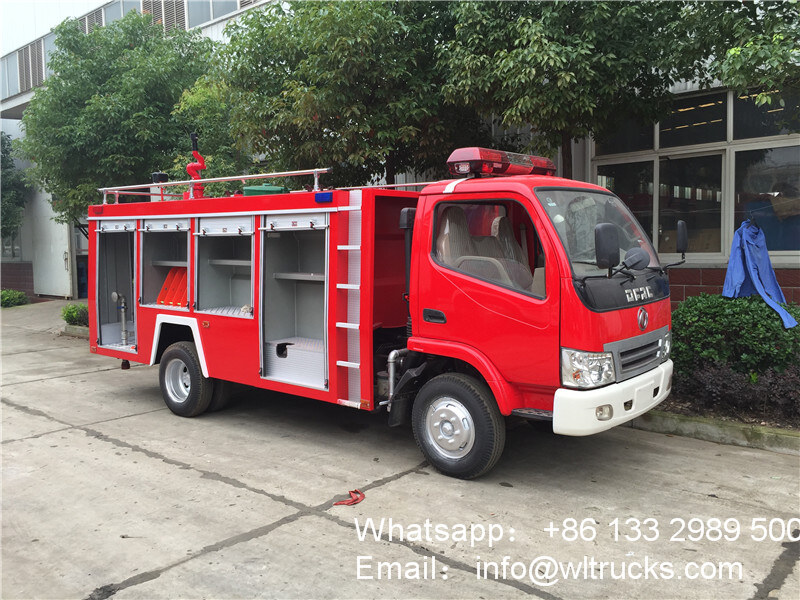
x,y
206,110
12,193
104,117
743,45
352,85
570,69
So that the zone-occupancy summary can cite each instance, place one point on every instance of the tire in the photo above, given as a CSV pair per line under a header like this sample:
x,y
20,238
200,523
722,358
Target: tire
x,y
186,392
458,425
221,395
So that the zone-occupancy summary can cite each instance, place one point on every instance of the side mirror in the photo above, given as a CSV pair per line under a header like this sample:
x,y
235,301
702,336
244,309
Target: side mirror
x,y
636,258
606,245
683,237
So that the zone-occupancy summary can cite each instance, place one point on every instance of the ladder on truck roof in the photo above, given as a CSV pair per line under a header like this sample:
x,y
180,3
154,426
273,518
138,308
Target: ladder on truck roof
x,y
136,189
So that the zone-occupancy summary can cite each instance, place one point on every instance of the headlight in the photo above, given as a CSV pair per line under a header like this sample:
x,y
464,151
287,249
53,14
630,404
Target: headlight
x,y
665,346
586,369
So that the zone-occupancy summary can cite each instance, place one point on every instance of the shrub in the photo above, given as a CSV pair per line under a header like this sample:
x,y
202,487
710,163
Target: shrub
x,y
76,314
12,298
720,389
744,334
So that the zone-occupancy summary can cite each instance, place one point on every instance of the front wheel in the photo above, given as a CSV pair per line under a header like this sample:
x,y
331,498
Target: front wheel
x,y
186,392
458,426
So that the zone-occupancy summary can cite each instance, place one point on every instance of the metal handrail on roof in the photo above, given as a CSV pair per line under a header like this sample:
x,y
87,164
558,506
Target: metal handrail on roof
x,y
135,190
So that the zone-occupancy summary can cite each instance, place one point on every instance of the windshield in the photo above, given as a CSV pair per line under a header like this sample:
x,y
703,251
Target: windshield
x,y
575,213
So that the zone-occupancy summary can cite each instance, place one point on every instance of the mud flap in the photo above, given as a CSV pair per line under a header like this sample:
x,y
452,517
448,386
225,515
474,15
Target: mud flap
x,y
401,410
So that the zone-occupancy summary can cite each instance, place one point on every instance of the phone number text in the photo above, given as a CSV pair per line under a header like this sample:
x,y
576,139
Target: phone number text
x,y
758,529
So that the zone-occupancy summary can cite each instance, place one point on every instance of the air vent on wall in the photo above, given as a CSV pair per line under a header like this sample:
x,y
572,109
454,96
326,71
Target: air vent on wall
x,y
92,20
168,13
30,65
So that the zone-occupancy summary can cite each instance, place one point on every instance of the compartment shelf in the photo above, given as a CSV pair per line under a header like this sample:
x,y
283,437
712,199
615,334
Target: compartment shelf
x,y
168,263
300,276
229,262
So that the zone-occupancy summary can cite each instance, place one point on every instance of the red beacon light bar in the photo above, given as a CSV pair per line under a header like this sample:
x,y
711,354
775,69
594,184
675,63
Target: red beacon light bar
x,y
483,161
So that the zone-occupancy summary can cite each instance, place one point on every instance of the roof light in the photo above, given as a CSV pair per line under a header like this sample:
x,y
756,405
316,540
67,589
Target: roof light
x,y
483,161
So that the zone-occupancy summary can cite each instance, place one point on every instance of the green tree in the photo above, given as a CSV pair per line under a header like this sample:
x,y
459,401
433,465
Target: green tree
x,y
570,69
205,109
352,85
743,45
12,193
105,116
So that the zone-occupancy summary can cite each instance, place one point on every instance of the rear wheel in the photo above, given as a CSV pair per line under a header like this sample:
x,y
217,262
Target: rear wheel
x,y
458,426
186,392
222,395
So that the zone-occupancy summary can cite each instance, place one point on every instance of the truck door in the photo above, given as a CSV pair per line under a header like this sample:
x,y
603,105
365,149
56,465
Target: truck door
x,y
294,307
490,281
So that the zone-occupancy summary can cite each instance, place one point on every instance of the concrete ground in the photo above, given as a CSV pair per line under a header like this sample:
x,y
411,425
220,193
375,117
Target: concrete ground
x,y
106,493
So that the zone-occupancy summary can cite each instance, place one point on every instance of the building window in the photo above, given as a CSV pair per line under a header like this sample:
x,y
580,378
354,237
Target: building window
x,y
633,184
690,189
220,8
112,12
203,11
49,48
10,75
696,120
768,191
199,12
750,121
129,5
630,136
12,247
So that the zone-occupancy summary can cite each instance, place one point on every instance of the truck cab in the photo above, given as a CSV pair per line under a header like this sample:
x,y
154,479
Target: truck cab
x,y
506,280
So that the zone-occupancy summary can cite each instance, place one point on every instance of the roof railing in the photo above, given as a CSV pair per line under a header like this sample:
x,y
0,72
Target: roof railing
x,y
136,189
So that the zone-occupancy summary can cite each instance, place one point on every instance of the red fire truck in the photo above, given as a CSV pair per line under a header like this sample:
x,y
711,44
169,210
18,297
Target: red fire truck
x,y
505,291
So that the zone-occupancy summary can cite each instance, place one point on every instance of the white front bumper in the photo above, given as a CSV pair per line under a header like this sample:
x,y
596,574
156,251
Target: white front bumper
x,y
574,410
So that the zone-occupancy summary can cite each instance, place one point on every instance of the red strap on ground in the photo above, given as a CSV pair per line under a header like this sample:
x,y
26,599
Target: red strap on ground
x,y
356,496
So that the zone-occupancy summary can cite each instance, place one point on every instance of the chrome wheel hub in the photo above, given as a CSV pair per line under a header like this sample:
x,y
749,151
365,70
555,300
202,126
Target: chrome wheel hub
x,y
178,381
449,428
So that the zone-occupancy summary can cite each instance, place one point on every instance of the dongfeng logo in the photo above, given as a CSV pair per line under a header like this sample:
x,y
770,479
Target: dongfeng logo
x,y
642,318
640,293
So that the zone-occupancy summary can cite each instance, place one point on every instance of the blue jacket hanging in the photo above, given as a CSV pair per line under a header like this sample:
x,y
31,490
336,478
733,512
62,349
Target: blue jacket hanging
x,y
750,271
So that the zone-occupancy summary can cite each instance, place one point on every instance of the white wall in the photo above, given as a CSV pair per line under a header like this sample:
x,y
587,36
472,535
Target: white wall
x,y
52,273
43,240
22,21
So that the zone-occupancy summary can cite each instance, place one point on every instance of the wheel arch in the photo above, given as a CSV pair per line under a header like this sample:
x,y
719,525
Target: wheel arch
x,y
173,328
471,361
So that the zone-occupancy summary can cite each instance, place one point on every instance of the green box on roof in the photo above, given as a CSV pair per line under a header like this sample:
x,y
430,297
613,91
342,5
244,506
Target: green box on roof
x,y
261,190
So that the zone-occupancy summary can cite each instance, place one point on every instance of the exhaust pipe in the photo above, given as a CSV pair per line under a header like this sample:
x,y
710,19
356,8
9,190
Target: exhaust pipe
x,y
394,358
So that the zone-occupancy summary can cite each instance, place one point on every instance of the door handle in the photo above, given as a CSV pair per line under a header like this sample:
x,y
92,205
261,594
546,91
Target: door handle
x,y
430,315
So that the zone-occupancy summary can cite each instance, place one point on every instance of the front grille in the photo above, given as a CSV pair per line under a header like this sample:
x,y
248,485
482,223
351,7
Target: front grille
x,y
636,355
635,358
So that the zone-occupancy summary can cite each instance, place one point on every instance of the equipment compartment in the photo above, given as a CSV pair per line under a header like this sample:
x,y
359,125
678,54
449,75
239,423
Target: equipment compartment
x,y
294,307
115,260
164,264
224,268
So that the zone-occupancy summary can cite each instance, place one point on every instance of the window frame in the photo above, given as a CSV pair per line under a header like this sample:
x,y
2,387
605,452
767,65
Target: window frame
x,y
728,148
438,209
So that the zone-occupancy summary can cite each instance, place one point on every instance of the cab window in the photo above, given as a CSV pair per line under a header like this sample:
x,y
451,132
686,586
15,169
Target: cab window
x,y
491,241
